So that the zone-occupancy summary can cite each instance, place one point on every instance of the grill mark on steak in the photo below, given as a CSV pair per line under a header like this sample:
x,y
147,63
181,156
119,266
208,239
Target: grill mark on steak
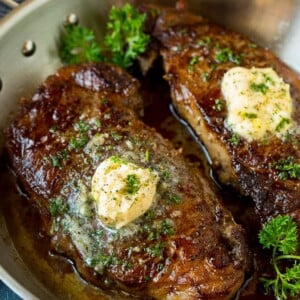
x,y
181,36
186,246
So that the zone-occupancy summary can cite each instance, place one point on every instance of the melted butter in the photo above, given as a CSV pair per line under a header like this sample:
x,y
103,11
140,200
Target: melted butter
x,y
123,191
258,102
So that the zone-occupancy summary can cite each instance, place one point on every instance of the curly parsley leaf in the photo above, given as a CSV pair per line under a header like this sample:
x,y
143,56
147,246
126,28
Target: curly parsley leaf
x,y
280,235
125,39
78,45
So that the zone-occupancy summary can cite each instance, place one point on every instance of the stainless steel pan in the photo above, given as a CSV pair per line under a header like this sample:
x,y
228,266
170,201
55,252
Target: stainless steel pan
x,y
28,53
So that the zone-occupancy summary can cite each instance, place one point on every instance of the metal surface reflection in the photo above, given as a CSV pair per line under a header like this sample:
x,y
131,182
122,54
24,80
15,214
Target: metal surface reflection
x,y
270,23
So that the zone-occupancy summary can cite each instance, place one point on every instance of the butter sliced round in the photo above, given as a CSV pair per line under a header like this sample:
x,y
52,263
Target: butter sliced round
x,y
258,103
123,191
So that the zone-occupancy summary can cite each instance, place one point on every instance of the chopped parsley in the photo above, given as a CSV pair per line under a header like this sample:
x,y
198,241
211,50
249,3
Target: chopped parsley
x,y
235,139
259,87
116,136
57,206
77,143
218,106
156,250
150,215
104,101
205,41
166,227
288,168
269,79
250,115
173,198
97,235
192,63
133,184
53,128
116,159
205,76
283,121
82,126
55,161
106,261
58,158
226,55
165,175
147,155
97,123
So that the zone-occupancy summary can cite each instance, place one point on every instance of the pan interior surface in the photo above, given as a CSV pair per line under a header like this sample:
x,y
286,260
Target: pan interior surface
x,y
38,23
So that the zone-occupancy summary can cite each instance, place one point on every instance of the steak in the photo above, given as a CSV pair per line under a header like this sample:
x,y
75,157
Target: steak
x,y
186,246
196,54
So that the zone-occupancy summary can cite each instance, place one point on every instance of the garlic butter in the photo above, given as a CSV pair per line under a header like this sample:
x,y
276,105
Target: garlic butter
x,y
123,191
258,103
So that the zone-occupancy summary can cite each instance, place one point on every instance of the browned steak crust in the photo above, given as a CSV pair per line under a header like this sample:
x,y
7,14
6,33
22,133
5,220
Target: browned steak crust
x,y
196,54
187,245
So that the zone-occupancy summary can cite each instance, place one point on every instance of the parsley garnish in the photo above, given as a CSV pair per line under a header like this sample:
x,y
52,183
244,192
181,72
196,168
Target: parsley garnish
x,y
250,115
225,55
58,158
166,227
218,105
173,198
125,38
97,235
133,184
282,123
104,260
288,168
78,45
55,161
77,143
205,41
205,76
192,63
165,175
147,155
82,126
57,206
116,136
259,87
117,159
235,139
280,235
156,250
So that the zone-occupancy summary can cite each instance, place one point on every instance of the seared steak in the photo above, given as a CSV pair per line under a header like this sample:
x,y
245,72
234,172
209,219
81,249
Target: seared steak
x,y
186,246
196,54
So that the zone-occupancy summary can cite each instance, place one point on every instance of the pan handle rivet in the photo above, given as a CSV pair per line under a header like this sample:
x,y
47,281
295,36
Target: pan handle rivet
x,y
28,48
71,19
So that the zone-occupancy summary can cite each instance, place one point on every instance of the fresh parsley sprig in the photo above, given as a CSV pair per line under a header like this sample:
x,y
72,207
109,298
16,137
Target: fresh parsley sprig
x,y
124,41
78,45
280,235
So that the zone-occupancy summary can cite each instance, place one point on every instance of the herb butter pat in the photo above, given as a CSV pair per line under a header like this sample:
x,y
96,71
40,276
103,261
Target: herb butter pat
x,y
123,191
258,103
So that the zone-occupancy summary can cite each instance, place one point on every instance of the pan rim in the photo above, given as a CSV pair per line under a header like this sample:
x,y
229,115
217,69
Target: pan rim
x,y
6,24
